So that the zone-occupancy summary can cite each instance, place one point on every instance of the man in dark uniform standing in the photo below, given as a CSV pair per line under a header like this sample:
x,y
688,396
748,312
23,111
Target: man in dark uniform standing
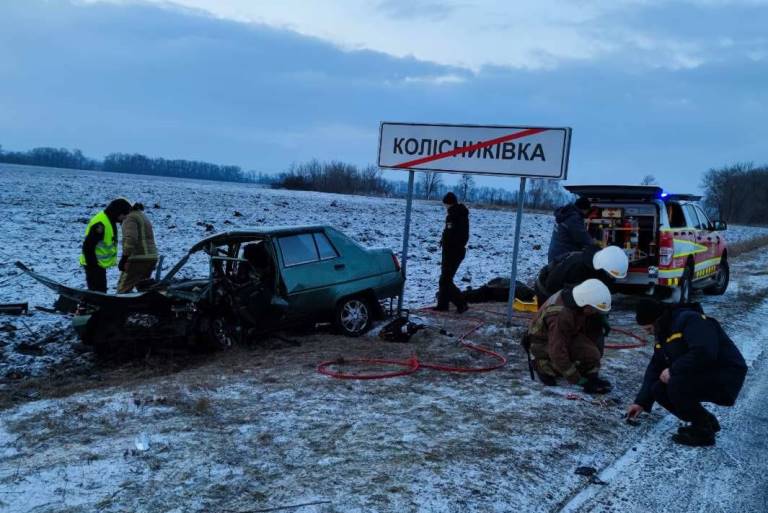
x,y
454,242
694,361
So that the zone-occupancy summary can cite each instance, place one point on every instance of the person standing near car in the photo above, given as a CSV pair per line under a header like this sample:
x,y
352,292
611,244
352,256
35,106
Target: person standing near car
x,y
99,250
139,256
694,361
570,233
453,243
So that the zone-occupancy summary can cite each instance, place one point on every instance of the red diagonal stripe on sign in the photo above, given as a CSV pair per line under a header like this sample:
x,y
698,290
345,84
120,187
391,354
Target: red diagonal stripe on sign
x,y
476,146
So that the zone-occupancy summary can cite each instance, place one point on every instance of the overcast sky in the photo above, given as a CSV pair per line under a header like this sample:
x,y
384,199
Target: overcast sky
x,y
668,88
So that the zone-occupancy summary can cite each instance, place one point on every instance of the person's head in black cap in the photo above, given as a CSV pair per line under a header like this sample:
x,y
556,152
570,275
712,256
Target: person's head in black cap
x,y
583,205
118,209
648,311
449,199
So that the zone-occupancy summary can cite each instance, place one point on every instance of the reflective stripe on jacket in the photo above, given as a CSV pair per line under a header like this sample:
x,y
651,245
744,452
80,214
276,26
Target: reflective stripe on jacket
x,y
106,248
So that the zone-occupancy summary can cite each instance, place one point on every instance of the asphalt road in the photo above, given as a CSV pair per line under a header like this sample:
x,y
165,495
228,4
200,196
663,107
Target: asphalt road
x,y
658,475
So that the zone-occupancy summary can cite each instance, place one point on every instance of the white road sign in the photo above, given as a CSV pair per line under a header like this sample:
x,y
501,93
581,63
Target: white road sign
x,y
486,150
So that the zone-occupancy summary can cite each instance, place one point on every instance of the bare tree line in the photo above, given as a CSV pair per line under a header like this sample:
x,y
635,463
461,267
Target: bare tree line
x,y
737,193
334,176
126,163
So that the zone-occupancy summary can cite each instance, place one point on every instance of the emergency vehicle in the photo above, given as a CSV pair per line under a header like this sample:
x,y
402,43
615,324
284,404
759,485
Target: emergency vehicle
x,y
672,245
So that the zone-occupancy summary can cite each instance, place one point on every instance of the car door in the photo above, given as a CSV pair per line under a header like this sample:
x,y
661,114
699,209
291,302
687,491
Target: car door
x,y
697,235
310,268
712,240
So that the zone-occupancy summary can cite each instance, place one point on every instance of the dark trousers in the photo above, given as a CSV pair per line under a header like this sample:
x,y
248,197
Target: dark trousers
x,y
683,395
96,278
448,292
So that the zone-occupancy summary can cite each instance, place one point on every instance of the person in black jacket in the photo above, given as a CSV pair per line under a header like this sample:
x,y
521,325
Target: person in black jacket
x,y
570,233
454,242
694,361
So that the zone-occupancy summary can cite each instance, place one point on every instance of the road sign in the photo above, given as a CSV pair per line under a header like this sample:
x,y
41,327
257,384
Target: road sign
x,y
535,152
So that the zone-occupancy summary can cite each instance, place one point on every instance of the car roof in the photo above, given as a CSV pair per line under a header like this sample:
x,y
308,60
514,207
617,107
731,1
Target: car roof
x,y
639,192
260,231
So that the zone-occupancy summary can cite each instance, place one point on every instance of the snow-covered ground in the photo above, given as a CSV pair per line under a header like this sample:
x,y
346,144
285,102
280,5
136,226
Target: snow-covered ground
x,y
258,427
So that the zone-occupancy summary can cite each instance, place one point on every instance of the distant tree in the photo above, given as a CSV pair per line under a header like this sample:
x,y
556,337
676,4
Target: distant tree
x,y
430,181
648,180
466,185
737,193
543,193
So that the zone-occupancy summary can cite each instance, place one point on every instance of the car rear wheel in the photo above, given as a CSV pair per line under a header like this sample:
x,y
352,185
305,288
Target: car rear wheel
x,y
722,278
353,316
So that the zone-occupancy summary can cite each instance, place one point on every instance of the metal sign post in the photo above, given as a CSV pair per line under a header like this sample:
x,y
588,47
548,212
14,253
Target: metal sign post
x,y
406,236
516,250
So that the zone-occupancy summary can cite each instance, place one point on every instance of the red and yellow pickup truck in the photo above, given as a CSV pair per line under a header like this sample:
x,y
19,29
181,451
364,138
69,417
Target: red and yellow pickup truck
x,y
672,245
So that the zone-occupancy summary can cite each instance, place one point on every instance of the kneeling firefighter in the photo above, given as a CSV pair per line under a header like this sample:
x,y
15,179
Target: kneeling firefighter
x,y
694,361
564,343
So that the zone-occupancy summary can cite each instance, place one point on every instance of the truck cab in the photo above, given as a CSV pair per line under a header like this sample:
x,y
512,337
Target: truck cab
x,y
672,245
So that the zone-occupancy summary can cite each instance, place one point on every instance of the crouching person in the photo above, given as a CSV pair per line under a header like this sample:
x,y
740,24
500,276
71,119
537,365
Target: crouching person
x,y
562,340
694,361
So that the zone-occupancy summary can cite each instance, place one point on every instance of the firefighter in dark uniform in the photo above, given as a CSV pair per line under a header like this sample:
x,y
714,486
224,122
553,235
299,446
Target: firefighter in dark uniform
x,y
454,242
606,265
694,361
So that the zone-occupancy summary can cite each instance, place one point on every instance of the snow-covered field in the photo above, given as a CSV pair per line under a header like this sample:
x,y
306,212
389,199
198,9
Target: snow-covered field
x,y
53,207
45,212
258,428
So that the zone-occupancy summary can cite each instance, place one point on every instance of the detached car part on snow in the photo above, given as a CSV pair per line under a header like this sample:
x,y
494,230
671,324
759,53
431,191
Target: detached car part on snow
x,y
258,280
672,246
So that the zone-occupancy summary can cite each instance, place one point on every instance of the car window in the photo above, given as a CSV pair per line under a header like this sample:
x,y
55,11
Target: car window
x,y
705,222
324,246
298,249
693,220
692,214
675,214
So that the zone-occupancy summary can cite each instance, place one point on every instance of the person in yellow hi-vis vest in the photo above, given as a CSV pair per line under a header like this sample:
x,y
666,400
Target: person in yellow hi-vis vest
x,y
139,256
99,251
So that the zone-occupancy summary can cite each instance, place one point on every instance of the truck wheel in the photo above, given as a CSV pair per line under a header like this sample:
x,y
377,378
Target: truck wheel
x,y
685,285
353,316
722,278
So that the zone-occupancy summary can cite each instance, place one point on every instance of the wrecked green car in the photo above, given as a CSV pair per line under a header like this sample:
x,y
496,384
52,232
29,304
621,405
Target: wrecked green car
x,y
257,281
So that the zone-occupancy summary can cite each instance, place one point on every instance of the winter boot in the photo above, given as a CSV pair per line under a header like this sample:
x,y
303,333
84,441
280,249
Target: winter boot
x,y
596,385
709,421
546,378
462,307
695,436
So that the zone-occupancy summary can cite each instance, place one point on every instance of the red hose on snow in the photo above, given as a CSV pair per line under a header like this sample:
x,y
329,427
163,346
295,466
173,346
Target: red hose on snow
x,y
413,364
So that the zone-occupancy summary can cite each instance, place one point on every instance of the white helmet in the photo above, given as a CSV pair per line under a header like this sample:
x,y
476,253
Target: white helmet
x,y
612,260
594,293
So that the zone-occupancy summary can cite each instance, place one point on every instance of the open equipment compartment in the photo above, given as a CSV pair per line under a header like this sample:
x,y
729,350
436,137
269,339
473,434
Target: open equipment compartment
x,y
631,226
